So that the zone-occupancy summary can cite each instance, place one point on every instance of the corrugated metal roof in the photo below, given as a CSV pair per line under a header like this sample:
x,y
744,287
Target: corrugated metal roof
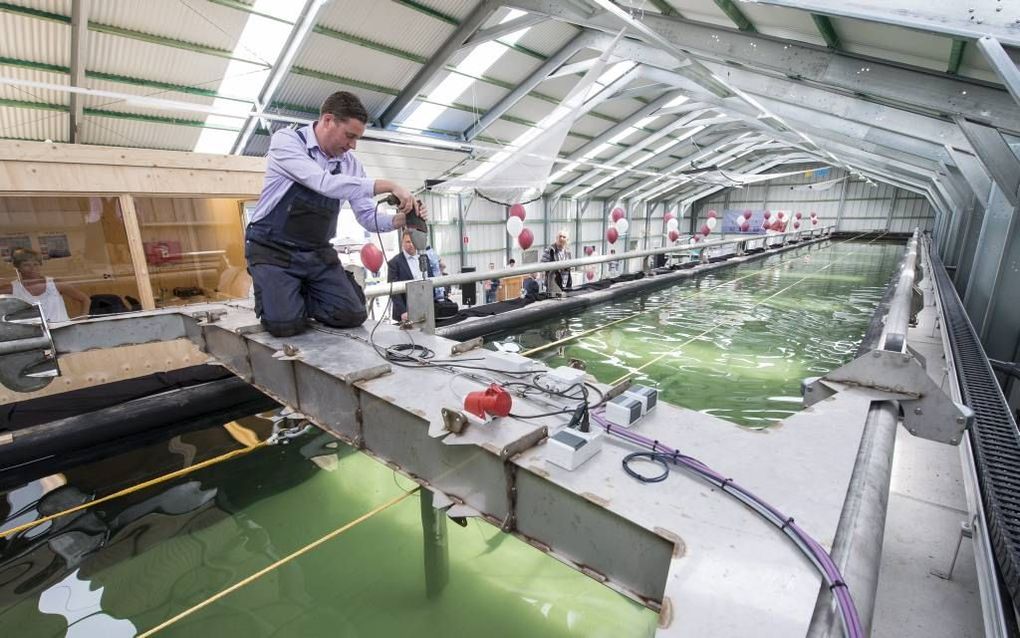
x,y
134,58
34,124
195,21
781,22
893,43
405,28
32,94
308,91
122,132
26,38
702,11
336,57
548,37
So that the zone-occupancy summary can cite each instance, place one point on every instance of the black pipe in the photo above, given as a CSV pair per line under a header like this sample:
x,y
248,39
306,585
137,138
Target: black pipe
x,y
540,311
210,401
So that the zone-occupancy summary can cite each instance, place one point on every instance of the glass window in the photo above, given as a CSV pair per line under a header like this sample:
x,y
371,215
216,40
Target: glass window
x,y
68,254
194,249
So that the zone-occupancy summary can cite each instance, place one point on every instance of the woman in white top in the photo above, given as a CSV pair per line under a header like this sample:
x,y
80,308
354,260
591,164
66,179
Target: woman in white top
x,y
33,287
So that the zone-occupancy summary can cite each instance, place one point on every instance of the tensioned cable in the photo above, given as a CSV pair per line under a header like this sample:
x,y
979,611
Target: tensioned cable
x,y
725,322
635,315
137,487
283,561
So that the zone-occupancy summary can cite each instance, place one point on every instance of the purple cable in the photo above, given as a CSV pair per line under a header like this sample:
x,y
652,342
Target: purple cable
x,y
820,557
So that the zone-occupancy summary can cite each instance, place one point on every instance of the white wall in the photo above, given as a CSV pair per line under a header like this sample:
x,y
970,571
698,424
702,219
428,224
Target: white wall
x,y
866,207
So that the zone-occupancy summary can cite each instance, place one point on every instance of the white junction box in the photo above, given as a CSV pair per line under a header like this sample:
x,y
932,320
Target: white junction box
x,y
647,396
569,448
624,410
511,362
563,378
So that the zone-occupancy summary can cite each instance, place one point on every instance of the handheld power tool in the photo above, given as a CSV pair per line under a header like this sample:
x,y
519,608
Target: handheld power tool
x,y
419,231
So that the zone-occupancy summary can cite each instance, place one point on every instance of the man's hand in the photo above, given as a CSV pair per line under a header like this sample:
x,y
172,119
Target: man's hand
x,y
422,210
406,199
403,317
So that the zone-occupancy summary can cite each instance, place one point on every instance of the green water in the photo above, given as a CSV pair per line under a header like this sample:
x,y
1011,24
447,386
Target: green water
x,y
735,343
127,565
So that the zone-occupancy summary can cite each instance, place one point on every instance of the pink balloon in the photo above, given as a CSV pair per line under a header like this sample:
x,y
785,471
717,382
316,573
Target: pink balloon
x,y
814,214
618,214
612,235
814,221
517,210
712,213
745,227
705,230
371,257
588,250
799,215
768,214
796,225
590,275
525,239
674,235
747,214
667,217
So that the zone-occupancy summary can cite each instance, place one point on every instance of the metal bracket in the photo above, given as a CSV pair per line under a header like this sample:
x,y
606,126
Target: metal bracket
x,y
454,421
28,360
467,346
421,307
206,317
928,412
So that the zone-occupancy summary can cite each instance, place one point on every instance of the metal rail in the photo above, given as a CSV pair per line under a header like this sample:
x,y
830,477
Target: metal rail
x,y
399,288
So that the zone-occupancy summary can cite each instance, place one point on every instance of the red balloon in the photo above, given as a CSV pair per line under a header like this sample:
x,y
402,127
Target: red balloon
x,y
525,239
814,221
814,214
745,227
371,257
612,235
712,213
799,215
618,214
796,225
768,214
589,250
517,210
705,230
674,235
590,275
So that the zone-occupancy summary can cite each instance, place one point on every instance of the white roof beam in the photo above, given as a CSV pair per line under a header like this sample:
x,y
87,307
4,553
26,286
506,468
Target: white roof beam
x,y
295,40
944,17
998,158
503,29
437,61
540,75
1002,64
911,89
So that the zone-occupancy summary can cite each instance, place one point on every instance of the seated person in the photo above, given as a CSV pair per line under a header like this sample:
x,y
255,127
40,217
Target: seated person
x,y
404,266
33,287
531,287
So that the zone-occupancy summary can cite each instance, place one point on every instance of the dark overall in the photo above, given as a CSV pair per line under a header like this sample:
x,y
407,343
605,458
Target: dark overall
x,y
296,272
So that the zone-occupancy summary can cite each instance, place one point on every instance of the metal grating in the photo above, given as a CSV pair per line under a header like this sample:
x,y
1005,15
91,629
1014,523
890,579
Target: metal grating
x,y
995,439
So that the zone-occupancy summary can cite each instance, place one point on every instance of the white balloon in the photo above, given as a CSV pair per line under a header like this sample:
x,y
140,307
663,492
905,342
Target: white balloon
x,y
711,222
673,224
514,226
622,225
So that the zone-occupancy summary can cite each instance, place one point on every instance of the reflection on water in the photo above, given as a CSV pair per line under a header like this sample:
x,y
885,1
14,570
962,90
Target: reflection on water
x,y
718,354
126,565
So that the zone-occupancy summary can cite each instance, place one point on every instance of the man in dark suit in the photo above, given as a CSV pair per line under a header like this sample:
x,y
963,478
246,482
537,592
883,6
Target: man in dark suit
x,y
405,266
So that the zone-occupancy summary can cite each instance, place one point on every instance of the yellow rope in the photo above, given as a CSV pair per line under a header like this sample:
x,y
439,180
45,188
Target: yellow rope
x,y
134,488
286,559
552,344
727,322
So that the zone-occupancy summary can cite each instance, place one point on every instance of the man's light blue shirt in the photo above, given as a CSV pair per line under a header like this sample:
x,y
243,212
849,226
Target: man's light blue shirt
x,y
290,160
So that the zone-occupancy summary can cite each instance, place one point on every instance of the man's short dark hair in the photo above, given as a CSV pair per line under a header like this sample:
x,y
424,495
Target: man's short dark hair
x,y
344,105
21,255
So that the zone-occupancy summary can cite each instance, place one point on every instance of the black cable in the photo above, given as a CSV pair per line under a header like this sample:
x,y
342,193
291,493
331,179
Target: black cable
x,y
662,460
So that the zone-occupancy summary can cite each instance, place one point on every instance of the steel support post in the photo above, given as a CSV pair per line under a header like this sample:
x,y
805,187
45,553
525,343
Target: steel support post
x,y
435,546
460,229
997,230
79,38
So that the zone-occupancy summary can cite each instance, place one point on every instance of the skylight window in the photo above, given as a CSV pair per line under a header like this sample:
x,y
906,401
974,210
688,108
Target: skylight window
x,y
477,62
262,39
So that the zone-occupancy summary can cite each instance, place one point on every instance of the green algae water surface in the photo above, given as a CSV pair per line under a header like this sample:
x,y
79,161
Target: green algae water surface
x,y
737,342
125,566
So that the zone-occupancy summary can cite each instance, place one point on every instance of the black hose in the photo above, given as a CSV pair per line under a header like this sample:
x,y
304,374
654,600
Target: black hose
x,y
163,410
